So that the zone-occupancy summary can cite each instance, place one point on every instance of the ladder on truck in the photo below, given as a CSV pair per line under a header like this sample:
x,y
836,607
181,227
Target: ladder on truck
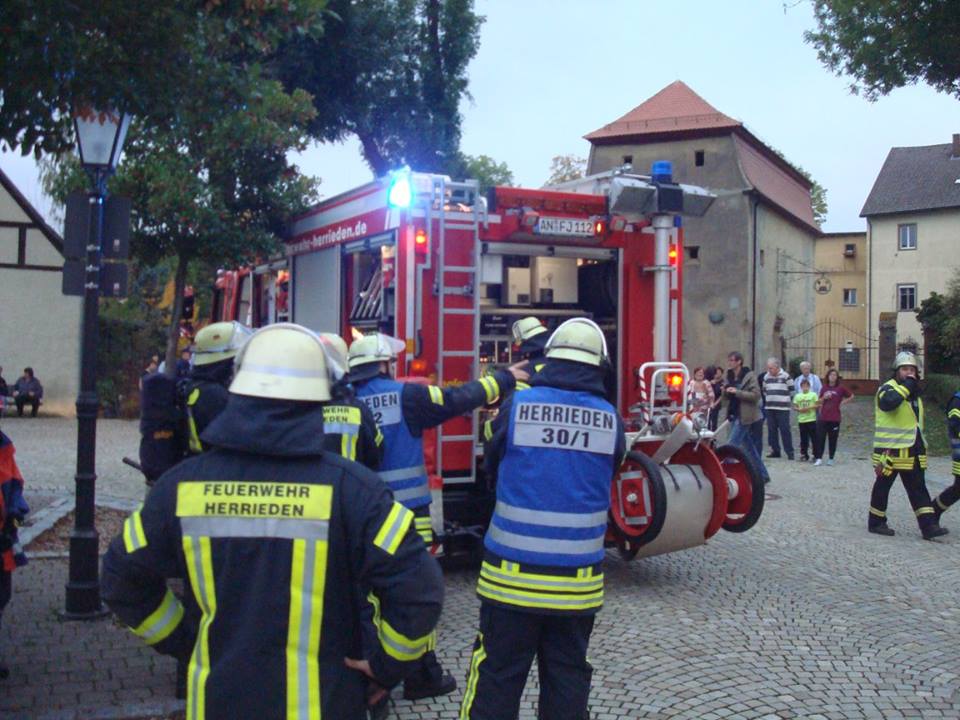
x,y
458,299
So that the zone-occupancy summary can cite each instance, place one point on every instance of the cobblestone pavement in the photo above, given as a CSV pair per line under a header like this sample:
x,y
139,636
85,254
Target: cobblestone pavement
x,y
805,616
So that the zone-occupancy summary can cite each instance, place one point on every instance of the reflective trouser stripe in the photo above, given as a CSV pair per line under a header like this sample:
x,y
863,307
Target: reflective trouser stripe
x,y
396,644
954,413
307,578
348,433
424,528
408,473
551,546
521,598
134,538
411,493
926,510
553,519
199,560
479,655
877,513
162,621
955,467
394,529
941,505
582,582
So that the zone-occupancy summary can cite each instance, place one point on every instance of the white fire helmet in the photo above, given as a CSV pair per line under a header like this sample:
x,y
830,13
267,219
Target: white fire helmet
x,y
580,340
905,357
526,328
335,348
284,361
374,348
219,341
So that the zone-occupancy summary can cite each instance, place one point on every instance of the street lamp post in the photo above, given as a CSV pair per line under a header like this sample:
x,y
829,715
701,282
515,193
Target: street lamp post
x,y
100,137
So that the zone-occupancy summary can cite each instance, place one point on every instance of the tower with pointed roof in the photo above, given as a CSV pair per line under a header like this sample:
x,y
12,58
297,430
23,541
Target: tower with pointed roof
x,y
744,287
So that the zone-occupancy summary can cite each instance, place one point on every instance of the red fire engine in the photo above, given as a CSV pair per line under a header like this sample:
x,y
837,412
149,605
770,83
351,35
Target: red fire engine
x,y
433,262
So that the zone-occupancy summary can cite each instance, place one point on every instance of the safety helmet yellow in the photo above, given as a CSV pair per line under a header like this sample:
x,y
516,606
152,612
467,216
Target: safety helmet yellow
x,y
373,348
336,350
283,362
580,340
526,328
219,341
905,357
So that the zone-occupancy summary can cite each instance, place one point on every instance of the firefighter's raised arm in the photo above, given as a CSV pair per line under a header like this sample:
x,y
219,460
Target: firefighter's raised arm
x,y
426,406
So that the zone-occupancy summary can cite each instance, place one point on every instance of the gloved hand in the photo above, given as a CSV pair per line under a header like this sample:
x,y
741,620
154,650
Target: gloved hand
x,y
911,384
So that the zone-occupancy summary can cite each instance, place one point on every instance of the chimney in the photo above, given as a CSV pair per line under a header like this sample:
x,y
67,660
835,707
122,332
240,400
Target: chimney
x,y
956,146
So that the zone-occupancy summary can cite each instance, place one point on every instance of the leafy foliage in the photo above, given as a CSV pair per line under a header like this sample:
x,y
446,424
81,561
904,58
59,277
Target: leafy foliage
x,y
886,44
488,171
145,57
940,317
566,167
391,72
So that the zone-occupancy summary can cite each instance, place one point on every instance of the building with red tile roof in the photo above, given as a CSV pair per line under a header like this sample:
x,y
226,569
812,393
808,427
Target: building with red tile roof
x,y
749,262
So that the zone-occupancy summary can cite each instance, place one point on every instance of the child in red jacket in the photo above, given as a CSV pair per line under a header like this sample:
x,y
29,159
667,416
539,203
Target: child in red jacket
x,y
13,508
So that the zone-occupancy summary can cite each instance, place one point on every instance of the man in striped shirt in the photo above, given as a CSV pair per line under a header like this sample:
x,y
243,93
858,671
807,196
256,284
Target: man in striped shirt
x,y
777,395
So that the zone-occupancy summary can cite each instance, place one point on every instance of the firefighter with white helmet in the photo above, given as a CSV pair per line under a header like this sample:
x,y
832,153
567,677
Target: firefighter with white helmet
x,y
899,448
530,336
950,496
541,582
349,427
403,411
275,535
205,390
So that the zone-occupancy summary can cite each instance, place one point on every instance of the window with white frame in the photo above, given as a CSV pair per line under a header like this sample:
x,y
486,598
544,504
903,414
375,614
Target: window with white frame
x,y
907,235
849,296
907,297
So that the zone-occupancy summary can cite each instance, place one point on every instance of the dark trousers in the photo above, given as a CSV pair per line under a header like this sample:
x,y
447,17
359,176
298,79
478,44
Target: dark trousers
x,y
949,496
22,400
778,427
915,484
6,590
504,651
826,431
808,437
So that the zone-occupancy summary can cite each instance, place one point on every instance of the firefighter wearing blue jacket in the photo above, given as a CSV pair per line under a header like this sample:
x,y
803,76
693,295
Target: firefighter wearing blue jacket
x,y
555,449
949,496
276,536
403,411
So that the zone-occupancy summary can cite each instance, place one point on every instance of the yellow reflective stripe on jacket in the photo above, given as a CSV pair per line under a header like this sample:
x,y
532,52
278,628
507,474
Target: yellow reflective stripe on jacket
x,y
899,459
488,430
521,385
134,538
345,421
199,561
378,438
507,583
491,388
396,644
308,572
479,655
162,621
436,394
897,428
954,413
193,439
424,528
394,529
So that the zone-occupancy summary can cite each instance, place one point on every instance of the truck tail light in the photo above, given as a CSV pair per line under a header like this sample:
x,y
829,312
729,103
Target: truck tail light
x,y
675,387
420,244
599,227
674,256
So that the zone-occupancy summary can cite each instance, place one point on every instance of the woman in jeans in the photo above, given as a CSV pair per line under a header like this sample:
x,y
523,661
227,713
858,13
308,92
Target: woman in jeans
x,y
833,396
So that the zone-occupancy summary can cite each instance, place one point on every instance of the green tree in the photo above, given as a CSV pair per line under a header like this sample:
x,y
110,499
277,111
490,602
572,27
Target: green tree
x,y
488,171
886,44
566,167
939,315
392,73
145,57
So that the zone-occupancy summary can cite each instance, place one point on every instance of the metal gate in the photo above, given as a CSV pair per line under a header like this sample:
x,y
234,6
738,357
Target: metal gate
x,y
830,343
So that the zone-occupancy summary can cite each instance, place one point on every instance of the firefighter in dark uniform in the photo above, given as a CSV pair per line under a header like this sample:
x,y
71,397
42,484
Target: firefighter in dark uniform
x,y
949,496
205,390
530,337
555,450
403,411
275,535
899,449
349,428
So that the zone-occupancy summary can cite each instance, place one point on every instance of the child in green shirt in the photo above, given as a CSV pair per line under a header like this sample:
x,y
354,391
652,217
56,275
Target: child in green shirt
x,y
806,403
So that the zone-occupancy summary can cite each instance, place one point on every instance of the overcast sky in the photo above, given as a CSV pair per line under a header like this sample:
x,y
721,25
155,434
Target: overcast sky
x,y
550,71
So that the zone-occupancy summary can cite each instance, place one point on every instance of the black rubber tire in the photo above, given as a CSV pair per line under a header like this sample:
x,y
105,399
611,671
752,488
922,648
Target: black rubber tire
x,y
658,497
756,485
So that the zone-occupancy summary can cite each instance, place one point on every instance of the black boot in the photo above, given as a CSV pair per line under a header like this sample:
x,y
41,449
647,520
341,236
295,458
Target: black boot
x,y
933,530
881,528
428,680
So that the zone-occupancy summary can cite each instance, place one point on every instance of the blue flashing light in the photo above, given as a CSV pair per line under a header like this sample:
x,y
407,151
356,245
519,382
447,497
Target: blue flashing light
x,y
662,171
400,193
677,221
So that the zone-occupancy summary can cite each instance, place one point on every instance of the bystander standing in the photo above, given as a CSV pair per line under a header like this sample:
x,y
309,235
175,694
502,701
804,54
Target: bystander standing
x,y
833,396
